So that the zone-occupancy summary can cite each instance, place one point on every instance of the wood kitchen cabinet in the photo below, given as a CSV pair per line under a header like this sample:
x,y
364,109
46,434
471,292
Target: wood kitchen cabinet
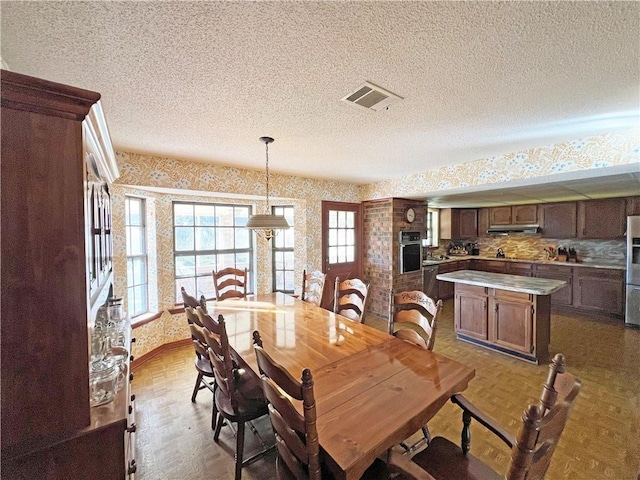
x,y
519,268
56,272
513,215
600,290
465,223
558,220
603,218
445,289
513,323
633,206
494,266
483,222
564,296
470,311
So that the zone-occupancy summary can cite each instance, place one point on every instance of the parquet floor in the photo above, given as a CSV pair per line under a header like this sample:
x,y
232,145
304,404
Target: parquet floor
x,y
601,441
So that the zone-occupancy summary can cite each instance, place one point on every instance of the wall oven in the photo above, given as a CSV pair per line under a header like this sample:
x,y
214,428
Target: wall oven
x,y
410,252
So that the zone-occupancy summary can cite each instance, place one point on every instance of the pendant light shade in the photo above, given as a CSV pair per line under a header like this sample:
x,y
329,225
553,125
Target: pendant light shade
x,y
267,225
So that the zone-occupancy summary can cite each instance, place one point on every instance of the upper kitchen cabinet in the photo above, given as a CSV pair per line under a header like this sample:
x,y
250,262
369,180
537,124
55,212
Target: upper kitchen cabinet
x,y
514,215
483,222
558,220
604,218
633,206
464,223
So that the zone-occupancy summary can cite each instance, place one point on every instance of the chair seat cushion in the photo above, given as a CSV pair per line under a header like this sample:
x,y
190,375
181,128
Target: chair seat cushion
x,y
444,459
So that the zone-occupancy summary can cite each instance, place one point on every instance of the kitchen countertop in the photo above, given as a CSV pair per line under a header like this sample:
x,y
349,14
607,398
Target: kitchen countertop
x,y
455,258
513,283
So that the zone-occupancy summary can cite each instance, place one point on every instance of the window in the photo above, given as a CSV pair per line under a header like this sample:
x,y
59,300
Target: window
x,y
342,238
209,237
282,251
137,278
432,228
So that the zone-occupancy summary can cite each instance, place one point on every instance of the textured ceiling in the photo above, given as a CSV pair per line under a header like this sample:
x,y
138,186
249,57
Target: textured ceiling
x,y
203,80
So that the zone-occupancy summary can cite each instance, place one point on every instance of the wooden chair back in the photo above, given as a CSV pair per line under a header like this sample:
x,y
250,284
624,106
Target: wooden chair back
x,y
197,332
296,435
219,352
230,283
414,310
544,423
313,286
190,301
350,298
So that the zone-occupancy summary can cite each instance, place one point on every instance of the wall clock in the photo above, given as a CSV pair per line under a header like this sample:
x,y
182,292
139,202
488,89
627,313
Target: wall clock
x,y
409,215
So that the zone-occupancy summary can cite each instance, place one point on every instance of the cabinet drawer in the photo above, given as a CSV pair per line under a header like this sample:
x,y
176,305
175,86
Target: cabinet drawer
x,y
513,296
603,273
471,289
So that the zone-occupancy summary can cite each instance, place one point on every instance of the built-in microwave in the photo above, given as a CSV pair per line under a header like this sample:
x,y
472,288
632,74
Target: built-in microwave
x,y
410,252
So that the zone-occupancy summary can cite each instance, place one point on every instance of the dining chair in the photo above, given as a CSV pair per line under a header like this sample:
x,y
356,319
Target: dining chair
x,y
206,376
238,398
296,434
350,298
313,286
191,301
201,361
230,283
531,451
416,311
413,317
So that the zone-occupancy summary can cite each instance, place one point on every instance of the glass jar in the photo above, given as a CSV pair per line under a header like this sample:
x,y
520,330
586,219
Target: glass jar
x,y
103,381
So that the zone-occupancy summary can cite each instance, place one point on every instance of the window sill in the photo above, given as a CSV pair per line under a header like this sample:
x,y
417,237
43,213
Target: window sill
x,y
144,319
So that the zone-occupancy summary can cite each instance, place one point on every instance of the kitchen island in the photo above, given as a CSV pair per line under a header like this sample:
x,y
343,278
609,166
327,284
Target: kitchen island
x,y
506,313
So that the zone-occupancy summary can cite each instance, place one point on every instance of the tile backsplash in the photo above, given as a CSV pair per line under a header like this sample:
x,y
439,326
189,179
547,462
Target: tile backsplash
x,y
531,247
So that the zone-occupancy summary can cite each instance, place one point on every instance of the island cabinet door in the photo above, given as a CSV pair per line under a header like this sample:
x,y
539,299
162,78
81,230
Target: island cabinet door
x,y
511,324
470,309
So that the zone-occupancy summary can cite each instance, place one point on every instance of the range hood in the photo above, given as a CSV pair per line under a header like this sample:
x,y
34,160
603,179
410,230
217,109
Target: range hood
x,y
506,229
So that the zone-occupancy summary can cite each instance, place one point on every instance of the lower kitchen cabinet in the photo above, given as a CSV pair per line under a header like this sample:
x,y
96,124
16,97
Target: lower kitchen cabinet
x,y
470,311
600,290
518,268
445,289
514,323
564,296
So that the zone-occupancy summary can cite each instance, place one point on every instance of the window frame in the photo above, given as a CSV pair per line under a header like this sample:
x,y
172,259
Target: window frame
x,y
288,211
249,251
131,288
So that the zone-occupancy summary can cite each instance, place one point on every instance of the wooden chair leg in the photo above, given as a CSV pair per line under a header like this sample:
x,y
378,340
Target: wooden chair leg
x,y
214,413
196,388
239,449
219,423
465,443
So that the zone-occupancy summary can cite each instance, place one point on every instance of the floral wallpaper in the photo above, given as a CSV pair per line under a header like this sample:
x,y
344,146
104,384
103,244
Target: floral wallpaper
x,y
162,180
607,150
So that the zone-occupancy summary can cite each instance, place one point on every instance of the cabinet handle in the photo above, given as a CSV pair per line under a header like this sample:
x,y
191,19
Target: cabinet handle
x,y
131,377
132,467
133,397
133,339
131,428
131,358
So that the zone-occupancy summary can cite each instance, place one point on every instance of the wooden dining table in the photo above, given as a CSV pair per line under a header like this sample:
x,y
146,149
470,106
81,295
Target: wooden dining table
x,y
372,390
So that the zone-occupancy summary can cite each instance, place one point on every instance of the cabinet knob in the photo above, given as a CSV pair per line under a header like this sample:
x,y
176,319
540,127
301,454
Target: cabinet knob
x,y
133,339
133,397
131,377
133,467
131,428
131,358
130,409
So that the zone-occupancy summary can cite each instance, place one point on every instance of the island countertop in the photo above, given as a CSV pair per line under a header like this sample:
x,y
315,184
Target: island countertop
x,y
513,283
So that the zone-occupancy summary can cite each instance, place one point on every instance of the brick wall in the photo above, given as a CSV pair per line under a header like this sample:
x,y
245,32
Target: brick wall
x,y
383,222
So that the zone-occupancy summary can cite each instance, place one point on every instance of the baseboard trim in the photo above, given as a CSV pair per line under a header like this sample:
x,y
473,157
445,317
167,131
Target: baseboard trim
x,y
157,351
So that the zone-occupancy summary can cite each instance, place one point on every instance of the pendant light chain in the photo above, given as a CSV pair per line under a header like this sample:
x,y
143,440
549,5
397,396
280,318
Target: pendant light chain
x,y
267,175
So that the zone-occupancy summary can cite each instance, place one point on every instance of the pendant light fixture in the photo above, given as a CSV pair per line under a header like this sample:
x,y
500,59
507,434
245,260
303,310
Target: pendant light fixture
x,y
267,225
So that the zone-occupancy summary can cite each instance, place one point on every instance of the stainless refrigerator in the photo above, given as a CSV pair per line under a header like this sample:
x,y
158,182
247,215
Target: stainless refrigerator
x,y
632,311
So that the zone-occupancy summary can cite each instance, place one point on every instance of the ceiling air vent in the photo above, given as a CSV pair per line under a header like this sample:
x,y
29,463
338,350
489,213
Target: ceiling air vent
x,y
371,96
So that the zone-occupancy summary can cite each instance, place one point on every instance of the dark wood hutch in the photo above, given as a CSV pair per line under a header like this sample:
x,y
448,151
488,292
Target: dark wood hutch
x,y
56,242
